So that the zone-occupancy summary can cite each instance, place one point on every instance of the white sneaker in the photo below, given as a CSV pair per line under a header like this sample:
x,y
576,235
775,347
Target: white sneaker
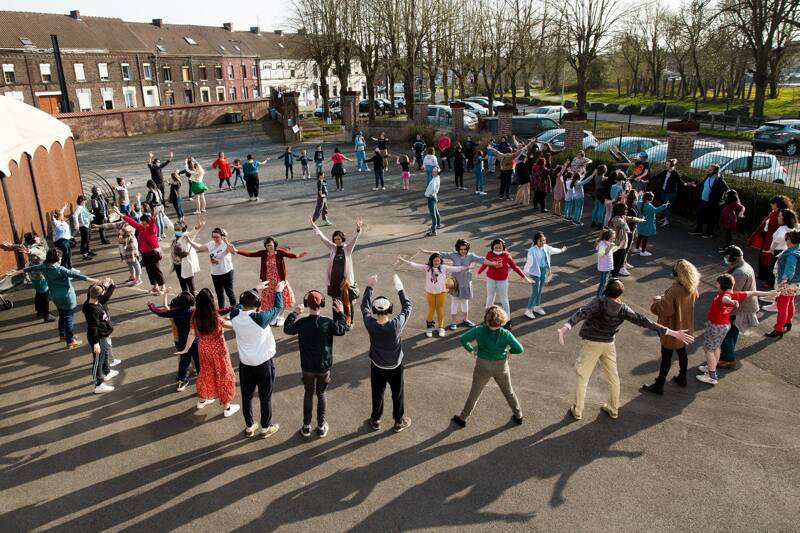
x,y
103,387
250,431
383,188
75,270
529,314
538,310
429,333
231,410
477,192
114,363
280,321
645,253
624,272
322,430
771,307
703,368
111,375
442,332
705,378
375,189
628,265
203,403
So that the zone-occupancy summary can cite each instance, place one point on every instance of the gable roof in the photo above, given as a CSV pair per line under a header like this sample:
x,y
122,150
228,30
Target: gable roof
x,y
210,41
265,44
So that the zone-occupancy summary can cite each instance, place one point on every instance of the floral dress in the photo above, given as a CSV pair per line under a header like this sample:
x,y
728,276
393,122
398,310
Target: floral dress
x,y
559,190
216,379
268,293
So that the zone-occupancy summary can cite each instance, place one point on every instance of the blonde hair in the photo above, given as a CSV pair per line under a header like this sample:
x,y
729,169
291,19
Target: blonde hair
x,y
687,276
495,316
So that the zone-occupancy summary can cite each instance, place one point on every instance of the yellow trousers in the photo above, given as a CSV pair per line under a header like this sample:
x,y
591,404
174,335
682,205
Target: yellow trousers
x,y
435,304
592,352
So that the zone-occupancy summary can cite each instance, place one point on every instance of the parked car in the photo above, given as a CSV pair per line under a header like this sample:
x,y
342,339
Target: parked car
x,y
363,106
778,135
386,103
442,115
527,126
557,137
631,146
553,111
483,101
335,112
474,107
400,102
658,153
765,167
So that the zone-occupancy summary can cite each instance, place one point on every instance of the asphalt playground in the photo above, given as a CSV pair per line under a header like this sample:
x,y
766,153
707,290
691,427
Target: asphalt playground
x,y
142,458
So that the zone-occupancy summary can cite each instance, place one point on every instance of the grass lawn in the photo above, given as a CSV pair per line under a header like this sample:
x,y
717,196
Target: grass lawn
x,y
606,129
787,103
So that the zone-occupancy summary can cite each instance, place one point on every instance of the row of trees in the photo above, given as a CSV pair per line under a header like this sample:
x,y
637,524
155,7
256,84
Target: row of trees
x,y
489,46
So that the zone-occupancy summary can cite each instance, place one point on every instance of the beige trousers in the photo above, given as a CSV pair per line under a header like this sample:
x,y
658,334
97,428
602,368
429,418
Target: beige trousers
x,y
590,353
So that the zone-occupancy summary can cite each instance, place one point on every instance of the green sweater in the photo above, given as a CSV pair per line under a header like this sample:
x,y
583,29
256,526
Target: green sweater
x,y
492,344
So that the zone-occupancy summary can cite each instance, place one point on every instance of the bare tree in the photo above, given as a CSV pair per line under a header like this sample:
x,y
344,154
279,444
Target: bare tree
x,y
309,15
367,44
653,37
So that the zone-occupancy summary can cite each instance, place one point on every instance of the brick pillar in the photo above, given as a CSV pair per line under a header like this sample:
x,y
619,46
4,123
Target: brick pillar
x,y
291,112
574,124
420,113
458,119
504,115
682,135
350,116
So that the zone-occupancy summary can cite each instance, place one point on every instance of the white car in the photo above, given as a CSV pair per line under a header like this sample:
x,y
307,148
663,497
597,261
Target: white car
x,y
658,153
475,107
483,101
631,146
442,115
557,137
765,167
552,111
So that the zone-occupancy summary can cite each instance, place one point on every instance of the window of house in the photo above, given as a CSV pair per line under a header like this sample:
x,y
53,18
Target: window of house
x,y
255,91
160,48
16,95
230,72
129,93
291,73
245,93
203,72
218,72
188,96
84,99
80,75
205,94
244,71
44,70
26,41
166,73
220,94
126,71
107,96
191,41
232,93
169,97
255,71
147,71
102,68
8,73
186,74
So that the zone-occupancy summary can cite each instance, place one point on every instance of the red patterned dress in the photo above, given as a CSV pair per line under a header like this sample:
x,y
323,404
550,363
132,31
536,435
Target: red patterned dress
x,y
273,269
216,379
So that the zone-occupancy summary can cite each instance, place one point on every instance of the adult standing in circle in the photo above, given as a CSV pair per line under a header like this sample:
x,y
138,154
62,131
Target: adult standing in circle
x,y
506,160
712,191
154,199
675,310
744,317
787,284
250,170
219,250
223,167
761,239
197,185
340,276
184,256
540,183
100,212
147,237
338,168
361,149
787,221
273,270
384,148
36,249
430,162
668,182
62,236
156,168
175,195
443,143
432,197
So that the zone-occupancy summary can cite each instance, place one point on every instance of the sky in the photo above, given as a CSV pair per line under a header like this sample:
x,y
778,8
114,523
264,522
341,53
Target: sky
x,y
267,14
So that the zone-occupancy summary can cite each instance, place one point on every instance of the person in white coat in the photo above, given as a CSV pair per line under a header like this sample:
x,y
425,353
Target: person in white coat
x,y
537,266
184,257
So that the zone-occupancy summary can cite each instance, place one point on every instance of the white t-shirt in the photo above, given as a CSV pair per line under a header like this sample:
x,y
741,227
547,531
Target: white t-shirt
x,y
430,161
223,263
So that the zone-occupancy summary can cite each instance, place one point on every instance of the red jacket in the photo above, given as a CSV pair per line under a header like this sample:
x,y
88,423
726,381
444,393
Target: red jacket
x,y
501,273
761,239
147,234
279,261
224,167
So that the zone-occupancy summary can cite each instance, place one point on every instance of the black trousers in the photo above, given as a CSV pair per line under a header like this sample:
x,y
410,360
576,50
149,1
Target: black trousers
x,y
707,215
321,209
85,240
251,183
315,384
459,174
666,363
379,378
289,171
223,284
263,378
187,284
41,302
154,275
418,159
505,183
619,261
538,199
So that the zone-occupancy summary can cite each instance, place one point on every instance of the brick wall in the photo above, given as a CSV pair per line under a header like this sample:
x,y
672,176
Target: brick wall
x,y
138,121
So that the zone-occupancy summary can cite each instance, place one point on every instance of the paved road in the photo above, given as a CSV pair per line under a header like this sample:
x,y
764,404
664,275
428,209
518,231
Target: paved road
x,y
143,459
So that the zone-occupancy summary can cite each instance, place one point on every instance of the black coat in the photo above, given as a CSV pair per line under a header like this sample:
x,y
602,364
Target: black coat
x,y
675,181
718,190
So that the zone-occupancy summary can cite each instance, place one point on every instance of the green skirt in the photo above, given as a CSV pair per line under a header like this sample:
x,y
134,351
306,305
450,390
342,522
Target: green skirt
x,y
197,187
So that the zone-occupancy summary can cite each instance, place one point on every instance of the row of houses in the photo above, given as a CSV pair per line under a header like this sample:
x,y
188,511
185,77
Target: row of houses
x,y
109,63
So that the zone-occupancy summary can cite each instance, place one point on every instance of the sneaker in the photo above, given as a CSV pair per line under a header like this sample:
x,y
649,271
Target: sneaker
x,y
654,388
607,410
375,189
250,431
231,409
539,310
726,364
703,368
322,430
267,431
571,411
665,223
452,327
442,332
103,387
327,222
374,424
517,419
305,431
706,378
74,344
114,363
457,420
429,332
529,314
138,282
645,253
111,375
280,321
49,318
383,188
181,386
402,424
467,324
203,403
624,272
430,234
75,270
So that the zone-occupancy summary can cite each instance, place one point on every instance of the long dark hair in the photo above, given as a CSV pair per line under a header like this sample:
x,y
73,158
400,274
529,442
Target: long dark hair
x,y
432,257
205,316
184,300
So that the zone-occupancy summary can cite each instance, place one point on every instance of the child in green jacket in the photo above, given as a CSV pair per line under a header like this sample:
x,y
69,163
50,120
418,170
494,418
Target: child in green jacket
x,y
494,346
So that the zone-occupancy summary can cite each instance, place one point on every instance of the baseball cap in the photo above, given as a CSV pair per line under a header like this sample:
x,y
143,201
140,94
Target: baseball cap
x,y
642,154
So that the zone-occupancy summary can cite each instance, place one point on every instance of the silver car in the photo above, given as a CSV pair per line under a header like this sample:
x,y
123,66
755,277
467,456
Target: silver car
x,y
765,167
658,153
557,137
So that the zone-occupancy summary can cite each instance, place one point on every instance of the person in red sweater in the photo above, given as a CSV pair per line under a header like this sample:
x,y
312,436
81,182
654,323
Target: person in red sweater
x,y
497,276
147,237
223,167
273,269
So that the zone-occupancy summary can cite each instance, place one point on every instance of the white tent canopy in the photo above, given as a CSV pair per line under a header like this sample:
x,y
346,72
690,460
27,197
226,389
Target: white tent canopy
x,y
23,129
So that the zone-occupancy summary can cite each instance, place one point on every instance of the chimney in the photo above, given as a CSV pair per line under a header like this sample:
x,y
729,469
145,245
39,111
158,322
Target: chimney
x,y
255,29
228,26
278,32
75,14
157,22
